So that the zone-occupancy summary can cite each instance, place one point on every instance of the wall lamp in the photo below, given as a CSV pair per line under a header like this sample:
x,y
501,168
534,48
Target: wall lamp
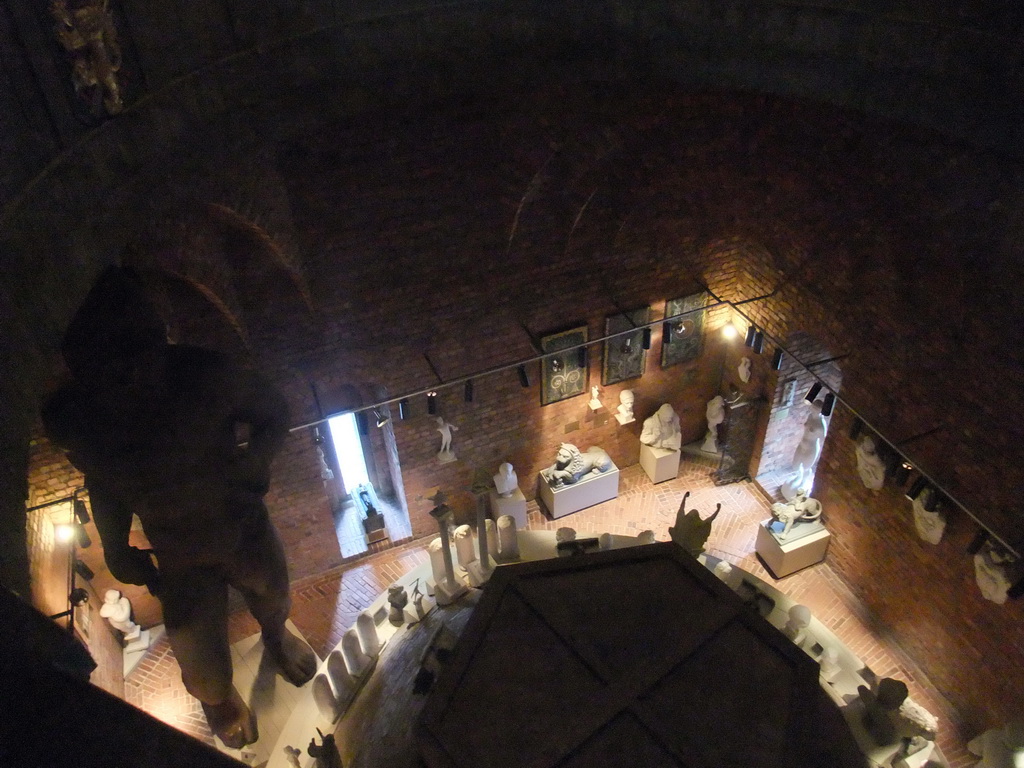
x,y
403,408
855,429
812,393
902,473
524,377
432,402
828,404
916,488
380,418
647,338
751,333
467,391
758,342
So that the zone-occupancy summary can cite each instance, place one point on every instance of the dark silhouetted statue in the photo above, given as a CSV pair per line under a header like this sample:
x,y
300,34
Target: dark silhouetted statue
x,y
183,438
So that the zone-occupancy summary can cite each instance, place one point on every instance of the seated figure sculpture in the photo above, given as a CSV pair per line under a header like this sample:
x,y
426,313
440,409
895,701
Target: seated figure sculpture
x,y
117,609
571,465
870,466
662,430
800,509
155,427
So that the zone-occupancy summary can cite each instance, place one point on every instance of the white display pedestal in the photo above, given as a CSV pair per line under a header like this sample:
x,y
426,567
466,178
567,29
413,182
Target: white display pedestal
x,y
586,493
514,505
806,545
660,464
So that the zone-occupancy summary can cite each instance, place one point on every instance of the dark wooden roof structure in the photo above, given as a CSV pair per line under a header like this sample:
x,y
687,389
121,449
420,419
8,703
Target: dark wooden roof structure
x,y
637,657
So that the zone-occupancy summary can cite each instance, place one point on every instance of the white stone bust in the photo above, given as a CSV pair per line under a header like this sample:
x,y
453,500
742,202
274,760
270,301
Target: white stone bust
x,y
506,482
117,609
744,370
870,466
662,430
715,414
624,413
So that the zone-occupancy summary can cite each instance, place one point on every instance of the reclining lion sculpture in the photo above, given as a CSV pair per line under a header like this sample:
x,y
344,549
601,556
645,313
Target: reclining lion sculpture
x,y
571,465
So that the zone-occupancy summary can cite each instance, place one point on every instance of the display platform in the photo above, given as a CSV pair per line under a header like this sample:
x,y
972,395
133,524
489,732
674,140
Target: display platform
x,y
806,545
567,499
514,505
660,464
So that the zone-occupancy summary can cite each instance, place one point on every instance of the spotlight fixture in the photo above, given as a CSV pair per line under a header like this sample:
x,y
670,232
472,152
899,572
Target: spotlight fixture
x,y
432,403
751,333
403,408
81,512
759,342
524,377
380,418
581,357
83,570
916,488
902,473
666,332
647,338
777,359
729,331
362,423
828,404
82,539
856,427
813,392
78,597
64,532
934,500
467,393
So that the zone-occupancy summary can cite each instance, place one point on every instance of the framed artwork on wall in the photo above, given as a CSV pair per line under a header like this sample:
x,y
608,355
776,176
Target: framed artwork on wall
x,y
562,375
625,356
686,333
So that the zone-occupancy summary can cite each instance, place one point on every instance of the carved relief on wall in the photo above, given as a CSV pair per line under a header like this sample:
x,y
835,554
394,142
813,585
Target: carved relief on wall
x,y
86,30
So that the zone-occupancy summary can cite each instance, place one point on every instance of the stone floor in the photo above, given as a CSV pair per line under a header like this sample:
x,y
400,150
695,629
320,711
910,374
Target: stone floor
x,y
326,605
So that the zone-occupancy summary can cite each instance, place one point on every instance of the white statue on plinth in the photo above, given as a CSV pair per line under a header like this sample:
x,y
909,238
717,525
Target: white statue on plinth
x,y
117,609
595,399
806,455
645,537
571,465
870,466
329,705
929,525
991,570
800,509
506,482
465,550
366,629
446,428
662,430
744,370
356,661
624,413
508,542
715,414
796,627
1000,747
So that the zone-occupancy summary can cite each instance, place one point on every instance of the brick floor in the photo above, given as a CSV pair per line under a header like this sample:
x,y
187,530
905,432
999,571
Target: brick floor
x,y
326,605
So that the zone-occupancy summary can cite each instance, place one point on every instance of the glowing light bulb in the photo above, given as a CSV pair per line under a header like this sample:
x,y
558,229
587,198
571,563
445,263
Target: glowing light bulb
x,y
729,331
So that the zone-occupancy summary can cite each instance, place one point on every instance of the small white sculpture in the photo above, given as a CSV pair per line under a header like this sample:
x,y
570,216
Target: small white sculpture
x,y
829,664
436,561
929,525
464,549
723,570
356,661
446,428
800,509
595,399
715,414
870,466
744,370
508,543
799,621
604,541
571,465
1000,747
645,537
398,598
991,569
491,530
342,680
806,455
565,534
506,481
624,413
366,629
662,430
326,702
117,609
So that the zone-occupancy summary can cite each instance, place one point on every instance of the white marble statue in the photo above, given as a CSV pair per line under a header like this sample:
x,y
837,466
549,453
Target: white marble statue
x,y
796,626
565,534
992,572
800,508
744,370
446,428
929,525
506,481
870,466
117,609
491,531
366,629
662,430
465,551
327,703
437,570
715,414
356,662
342,680
571,465
829,664
806,455
645,537
1000,747
508,542
595,399
624,413
604,541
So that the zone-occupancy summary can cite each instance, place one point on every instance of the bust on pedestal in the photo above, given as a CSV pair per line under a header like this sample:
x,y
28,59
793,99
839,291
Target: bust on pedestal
x,y
624,413
715,414
506,498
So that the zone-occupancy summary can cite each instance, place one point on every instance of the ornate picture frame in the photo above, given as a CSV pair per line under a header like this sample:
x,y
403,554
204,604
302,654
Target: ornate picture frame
x,y
687,339
561,375
625,356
